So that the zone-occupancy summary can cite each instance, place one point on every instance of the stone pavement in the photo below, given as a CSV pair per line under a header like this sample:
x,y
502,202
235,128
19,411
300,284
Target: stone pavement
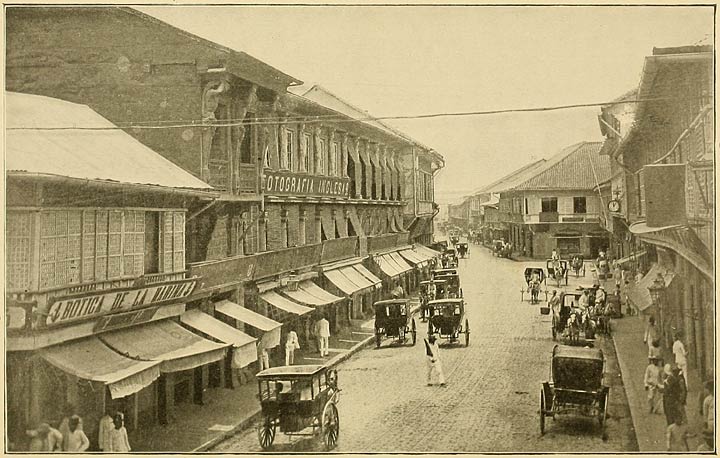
x,y
226,411
632,355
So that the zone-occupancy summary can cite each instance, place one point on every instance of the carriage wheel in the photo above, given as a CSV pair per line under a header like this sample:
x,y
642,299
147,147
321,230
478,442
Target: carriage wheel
x,y
542,412
266,434
467,333
330,427
414,331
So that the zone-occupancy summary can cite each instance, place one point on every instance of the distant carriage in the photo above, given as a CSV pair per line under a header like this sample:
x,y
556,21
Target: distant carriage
x,y
463,250
429,291
447,318
534,279
577,264
557,269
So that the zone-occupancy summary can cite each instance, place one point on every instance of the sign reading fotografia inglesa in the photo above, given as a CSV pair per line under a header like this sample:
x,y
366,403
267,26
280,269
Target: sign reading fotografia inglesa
x,y
80,306
296,184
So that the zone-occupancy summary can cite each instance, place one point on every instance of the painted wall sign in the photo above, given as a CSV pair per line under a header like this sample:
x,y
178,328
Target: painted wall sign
x,y
121,320
72,308
295,184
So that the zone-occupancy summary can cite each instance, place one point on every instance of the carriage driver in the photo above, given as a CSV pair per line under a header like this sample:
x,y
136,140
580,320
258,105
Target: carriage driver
x,y
534,280
555,305
584,300
554,255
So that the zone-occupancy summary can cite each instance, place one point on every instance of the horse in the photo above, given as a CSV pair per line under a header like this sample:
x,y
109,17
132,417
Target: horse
x,y
558,273
577,264
534,288
573,328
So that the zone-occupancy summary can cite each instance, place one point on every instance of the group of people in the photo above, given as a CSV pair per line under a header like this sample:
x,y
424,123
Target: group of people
x,y
666,386
321,331
70,437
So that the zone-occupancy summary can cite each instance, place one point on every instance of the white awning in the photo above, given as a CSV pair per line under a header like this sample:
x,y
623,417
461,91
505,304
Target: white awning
x,y
367,274
386,265
400,262
341,282
270,328
166,341
413,257
427,251
318,292
285,304
90,359
244,351
350,279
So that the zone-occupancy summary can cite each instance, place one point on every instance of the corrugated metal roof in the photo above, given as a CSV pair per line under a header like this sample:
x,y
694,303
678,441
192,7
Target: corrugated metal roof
x,y
579,166
513,179
102,155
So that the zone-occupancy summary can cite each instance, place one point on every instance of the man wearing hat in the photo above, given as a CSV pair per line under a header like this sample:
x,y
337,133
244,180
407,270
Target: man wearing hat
x,y
653,384
432,352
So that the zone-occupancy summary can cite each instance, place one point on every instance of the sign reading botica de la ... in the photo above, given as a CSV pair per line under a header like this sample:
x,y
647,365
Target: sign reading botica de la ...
x,y
296,184
71,308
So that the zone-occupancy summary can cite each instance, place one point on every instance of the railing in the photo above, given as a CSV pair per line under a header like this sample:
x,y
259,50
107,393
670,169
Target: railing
x,y
553,217
382,242
548,217
338,249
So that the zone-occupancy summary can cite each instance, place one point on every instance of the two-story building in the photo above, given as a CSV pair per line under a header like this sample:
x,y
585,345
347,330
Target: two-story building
x,y
668,161
96,282
560,206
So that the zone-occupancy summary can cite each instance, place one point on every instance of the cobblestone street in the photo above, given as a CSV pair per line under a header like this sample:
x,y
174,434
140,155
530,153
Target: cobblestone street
x,y
491,402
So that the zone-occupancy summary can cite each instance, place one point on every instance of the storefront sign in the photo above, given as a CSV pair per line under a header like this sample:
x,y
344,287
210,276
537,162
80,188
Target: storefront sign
x,y
120,320
77,307
295,184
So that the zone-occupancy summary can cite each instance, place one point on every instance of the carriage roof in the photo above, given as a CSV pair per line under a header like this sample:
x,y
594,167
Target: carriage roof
x,y
392,302
291,372
567,351
445,301
532,270
433,282
445,271
577,368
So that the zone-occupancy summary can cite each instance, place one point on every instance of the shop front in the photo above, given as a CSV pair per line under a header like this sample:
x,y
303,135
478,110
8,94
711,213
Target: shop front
x,y
352,280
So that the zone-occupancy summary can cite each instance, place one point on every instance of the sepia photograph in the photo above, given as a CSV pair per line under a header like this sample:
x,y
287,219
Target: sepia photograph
x,y
359,228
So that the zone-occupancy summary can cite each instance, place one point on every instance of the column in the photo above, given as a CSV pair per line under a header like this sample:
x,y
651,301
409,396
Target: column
x,y
283,145
359,189
284,227
344,154
332,163
302,239
302,150
316,148
318,225
262,233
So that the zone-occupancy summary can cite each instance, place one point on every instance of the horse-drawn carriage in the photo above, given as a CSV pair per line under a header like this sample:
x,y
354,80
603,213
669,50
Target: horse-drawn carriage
x,y
454,237
575,386
447,318
392,319
300,401
602,267
463,250
449,258
534,279
429,291
452,285
577,264
557,269
501,249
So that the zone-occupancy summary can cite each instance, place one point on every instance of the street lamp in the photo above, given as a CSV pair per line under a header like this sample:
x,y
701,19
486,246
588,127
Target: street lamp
x,y
657,294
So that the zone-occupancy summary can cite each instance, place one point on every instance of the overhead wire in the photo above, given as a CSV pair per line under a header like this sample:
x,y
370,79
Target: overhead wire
x,y
318,119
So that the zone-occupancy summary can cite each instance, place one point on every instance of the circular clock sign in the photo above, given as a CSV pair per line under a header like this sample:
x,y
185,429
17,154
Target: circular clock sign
x,y
614,205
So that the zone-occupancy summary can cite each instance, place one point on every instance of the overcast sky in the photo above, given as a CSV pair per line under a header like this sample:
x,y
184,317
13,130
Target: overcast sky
x,y
415,60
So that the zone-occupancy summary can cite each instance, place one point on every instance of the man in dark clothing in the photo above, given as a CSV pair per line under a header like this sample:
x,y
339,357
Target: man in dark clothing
x,y
674,395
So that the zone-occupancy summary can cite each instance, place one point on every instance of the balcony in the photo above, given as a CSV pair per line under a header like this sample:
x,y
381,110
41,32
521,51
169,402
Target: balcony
x,y
553,217
246,182
387,242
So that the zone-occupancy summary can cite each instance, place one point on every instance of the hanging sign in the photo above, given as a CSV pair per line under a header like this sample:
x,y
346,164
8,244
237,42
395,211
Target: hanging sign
x,y
77,307
296,184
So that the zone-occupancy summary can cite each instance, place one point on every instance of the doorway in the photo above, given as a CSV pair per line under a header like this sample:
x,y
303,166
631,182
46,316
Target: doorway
x,y
152,242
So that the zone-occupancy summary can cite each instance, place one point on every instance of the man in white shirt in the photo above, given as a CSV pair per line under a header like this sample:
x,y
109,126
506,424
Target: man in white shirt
x,y
584,300
432,353
680,356
292,343
323,328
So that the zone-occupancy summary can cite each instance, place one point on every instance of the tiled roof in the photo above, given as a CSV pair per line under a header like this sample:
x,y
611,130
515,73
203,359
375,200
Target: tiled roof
x,y
109,155
579,166
513,179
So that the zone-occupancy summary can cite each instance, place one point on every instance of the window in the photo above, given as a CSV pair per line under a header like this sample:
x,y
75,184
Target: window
x,y
527,212
307,138
579,205
173,241
549,204
18,236
289,149
321,166
245,144
336,159
266,156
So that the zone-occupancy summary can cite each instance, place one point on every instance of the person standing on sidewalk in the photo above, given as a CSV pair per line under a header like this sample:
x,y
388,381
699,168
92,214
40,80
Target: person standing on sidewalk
x,y
673,395
651,333
680,356
291,344
323,333
677,436
77,441
653,384
432,352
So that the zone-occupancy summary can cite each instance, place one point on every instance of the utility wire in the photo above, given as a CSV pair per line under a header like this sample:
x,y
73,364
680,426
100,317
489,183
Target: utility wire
x,y
280,120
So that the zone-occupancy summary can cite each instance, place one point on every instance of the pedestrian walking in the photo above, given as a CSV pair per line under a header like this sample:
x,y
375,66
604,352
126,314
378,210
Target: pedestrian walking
x,y
555,305
45,438
654,351
617,275
105,428
673,395
651,332
291,344
118,436
77,441
653,385
677,436
680,356
435,370
323,335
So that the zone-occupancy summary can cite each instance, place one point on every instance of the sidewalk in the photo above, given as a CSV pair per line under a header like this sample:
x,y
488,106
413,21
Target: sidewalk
x,y
195,428
632,356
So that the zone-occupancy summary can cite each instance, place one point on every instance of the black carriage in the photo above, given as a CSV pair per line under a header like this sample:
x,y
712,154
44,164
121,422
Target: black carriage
x,y
449,258
447,319
463,250
577,264
534,279
393,320
429,291
454,238
557,269
452,285
299,401
576,385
